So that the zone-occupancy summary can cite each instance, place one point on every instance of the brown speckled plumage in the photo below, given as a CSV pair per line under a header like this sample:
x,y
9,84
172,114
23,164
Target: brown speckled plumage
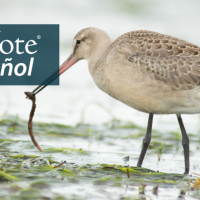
x,y
171,60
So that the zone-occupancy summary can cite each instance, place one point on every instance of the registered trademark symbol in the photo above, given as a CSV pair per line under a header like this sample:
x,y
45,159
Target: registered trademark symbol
x,y
39,37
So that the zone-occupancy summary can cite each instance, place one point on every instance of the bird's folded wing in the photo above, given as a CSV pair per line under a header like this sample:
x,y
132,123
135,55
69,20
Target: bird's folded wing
x,y
170,60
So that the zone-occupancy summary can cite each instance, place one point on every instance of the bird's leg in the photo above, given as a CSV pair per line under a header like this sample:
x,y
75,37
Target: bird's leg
x,y
185,143
146,140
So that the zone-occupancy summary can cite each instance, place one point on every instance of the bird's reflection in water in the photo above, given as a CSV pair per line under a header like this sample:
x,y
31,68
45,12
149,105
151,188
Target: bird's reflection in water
x,y
155,190
142,195
182,195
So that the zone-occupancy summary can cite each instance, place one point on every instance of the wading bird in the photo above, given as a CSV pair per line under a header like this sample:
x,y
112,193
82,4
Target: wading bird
x,y
148,71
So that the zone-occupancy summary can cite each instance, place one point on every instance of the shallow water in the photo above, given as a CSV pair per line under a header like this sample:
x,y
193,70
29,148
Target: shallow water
x,y
95,167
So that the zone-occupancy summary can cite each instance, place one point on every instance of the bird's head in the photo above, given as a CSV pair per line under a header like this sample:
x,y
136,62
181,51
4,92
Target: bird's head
x,y
85,43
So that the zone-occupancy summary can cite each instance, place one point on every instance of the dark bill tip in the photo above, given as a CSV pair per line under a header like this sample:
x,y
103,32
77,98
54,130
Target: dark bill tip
x,y
29,95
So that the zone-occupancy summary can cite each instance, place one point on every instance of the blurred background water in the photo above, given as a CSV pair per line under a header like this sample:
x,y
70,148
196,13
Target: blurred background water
x,y
78,98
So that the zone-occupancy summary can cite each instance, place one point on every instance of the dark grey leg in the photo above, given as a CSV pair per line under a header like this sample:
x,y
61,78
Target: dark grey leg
x,y
185,143
146,140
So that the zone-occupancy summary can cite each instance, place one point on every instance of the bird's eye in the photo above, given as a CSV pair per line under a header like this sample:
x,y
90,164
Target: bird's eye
x,y
78,41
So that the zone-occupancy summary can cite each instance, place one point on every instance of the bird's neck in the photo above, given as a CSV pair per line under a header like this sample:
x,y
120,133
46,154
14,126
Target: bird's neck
x,y
97,53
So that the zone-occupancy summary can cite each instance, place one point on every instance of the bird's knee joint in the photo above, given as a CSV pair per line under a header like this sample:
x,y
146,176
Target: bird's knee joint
x,y
185,143
146,142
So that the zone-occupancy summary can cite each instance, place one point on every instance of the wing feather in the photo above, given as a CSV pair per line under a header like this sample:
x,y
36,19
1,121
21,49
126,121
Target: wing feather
x,y
171,60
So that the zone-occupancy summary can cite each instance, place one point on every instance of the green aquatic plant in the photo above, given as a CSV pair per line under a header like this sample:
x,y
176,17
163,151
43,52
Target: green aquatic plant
x,y
61,165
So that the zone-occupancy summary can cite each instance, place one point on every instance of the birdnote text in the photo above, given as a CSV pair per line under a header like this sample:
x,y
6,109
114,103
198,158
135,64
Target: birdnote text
x,y
29,54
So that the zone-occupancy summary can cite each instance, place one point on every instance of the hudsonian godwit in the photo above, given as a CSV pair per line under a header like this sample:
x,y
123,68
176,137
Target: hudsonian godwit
x,y
148,71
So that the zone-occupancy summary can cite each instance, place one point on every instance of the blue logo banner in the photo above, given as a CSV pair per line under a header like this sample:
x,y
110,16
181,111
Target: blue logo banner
x,y
29,54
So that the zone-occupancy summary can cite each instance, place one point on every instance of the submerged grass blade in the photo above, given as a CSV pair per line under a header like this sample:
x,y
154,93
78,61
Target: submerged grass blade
x,y
9,177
